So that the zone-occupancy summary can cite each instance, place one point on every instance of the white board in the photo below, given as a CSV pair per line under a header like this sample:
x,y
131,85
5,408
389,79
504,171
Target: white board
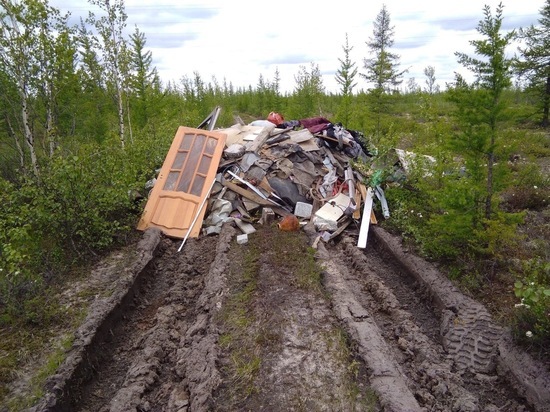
x,y
365,221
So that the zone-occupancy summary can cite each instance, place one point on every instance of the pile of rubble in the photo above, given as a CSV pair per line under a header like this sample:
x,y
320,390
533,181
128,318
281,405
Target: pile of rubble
x,y
294,172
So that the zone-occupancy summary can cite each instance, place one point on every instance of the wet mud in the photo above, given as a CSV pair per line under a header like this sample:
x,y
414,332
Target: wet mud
x,y
206,330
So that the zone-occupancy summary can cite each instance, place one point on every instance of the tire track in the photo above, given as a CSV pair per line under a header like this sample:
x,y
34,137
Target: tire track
x,y
451,367
411,337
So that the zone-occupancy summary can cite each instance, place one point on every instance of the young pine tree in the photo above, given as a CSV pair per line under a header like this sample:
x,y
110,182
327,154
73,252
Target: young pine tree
x,y
345,77
471,219
481,108
535,62
382,69
142,79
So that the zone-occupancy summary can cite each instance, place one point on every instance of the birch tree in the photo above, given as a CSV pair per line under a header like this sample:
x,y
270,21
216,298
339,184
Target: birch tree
x,y
19,23
35,56
309,89
431,86
110,28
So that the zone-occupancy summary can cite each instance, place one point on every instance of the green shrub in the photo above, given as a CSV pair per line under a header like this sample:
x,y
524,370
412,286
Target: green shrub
x,y
531,323
80,208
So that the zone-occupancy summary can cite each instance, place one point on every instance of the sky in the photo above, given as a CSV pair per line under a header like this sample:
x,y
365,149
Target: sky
x,y
238,41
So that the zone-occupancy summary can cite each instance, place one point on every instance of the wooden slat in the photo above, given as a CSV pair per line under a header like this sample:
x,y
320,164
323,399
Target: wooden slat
x,y
247,193
373,218
358,199
259,141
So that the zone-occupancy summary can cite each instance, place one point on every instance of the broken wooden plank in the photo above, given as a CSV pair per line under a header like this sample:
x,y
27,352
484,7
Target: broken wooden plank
x,y
247,193
341,228
363,189
259,141
264,184
332,139
373,218
365,221
358,200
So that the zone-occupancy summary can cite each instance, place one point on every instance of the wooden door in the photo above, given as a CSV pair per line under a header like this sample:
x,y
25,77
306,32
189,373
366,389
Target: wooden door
x,y
184,181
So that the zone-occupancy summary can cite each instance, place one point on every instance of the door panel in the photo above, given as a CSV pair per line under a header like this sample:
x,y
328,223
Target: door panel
x,y
185,178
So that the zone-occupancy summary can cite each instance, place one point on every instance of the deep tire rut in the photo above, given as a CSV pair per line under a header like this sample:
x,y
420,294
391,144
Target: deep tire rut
x,y
410,337
429,369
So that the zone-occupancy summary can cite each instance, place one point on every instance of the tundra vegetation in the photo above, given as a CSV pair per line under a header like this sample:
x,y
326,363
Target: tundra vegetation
x,y
85,121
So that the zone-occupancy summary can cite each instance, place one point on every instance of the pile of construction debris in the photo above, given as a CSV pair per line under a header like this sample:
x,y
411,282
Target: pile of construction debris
x,y
295,172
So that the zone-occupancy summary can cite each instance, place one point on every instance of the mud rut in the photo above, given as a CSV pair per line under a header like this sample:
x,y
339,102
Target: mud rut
x,y
411,339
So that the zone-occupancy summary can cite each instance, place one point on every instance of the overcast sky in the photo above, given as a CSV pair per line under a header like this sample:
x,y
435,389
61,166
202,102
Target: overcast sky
x,y
239,40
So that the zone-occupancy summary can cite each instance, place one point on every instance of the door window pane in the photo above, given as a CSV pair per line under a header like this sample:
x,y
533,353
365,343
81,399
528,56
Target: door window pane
x,y
171,180
198,144
204,165
210,146
188,171
179,160
198,185
186,142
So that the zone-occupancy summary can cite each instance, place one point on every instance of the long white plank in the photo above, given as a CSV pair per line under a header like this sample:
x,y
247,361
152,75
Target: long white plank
x,y
365,220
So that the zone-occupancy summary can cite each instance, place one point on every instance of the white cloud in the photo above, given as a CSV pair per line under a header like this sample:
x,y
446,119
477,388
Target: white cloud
x,y
239,40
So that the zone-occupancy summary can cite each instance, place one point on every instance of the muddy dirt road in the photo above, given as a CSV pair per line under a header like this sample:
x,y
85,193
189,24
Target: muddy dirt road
x,y
275,325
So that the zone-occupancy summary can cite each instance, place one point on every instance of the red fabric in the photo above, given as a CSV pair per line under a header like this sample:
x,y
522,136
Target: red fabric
x,y
315,124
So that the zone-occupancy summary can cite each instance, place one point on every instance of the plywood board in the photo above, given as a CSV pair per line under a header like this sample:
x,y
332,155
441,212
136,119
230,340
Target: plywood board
x,y
240,134
334,209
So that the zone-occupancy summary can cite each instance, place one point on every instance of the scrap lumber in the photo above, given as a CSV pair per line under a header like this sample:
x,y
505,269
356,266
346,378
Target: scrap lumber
x,y
332,139
358,200
360,197
363,189
373,218
259,141
264,184
247,193
341,228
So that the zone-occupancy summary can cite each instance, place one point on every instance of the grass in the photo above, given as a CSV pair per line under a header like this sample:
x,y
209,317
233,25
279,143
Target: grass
x,y
41,339
239,337
21,345
340,343
246,333
250,330
299,258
